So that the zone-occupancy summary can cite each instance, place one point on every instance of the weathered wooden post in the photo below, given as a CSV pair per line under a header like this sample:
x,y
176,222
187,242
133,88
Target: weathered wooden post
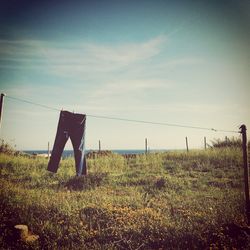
x,y
205,142
246,174
21,232
1,107
146,145
187,144
226,140
99,146
48,150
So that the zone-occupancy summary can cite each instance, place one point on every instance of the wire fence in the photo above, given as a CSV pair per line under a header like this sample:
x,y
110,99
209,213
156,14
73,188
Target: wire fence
x,y
242,131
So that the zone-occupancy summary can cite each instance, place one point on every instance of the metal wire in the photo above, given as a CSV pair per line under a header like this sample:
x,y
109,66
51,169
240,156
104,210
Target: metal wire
x,y
33,103
128,120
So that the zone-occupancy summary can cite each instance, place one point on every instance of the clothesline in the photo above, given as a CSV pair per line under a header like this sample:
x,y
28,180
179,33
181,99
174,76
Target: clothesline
x,y
127,120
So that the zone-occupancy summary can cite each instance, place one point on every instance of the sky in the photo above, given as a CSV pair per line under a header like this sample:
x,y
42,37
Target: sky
x,y
180,62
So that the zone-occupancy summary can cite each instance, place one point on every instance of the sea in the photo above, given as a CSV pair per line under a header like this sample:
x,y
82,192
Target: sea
x,y
70,153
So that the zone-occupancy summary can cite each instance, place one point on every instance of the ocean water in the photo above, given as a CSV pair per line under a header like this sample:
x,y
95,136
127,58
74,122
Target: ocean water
x,y
69,153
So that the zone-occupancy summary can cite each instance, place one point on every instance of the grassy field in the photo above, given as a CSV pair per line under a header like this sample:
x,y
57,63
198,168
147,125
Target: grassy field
x,y
174,200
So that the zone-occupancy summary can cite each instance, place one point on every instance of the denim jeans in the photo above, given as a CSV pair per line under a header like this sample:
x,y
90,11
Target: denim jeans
x,y
73,126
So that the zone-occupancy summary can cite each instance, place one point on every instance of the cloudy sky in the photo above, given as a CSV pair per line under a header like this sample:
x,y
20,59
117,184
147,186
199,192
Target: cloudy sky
x,y
182,62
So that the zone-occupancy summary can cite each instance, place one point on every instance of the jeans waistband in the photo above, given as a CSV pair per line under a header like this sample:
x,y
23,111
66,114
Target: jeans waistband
x,y
72,116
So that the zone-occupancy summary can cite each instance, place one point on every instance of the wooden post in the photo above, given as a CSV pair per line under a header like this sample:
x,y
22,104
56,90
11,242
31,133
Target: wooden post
x,y
48,150
187,144
1,107
205,142
21,232
246,175
146,145
99,146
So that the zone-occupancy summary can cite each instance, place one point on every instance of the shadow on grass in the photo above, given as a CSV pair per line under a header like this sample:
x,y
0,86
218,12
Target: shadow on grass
x,y
92,180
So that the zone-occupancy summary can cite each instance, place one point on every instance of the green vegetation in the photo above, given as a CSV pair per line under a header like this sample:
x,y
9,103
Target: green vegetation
x,y
174,200
6,148
227,142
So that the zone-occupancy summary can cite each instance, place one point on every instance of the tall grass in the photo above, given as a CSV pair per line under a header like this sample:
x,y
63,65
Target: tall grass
x,y
174,200
233,142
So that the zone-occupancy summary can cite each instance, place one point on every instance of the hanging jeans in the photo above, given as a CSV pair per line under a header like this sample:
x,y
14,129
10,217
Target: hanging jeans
x,y
73,126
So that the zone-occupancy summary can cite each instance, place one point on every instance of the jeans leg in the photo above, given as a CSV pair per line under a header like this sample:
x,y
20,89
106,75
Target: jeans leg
x,y
60,141
78,141
80,158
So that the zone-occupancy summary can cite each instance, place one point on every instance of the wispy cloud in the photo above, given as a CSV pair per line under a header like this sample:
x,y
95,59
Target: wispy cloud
x,y
128,53
111,73
83,61
119,88
78,57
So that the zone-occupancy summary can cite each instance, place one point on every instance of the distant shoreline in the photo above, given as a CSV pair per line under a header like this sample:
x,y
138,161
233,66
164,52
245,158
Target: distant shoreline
x,y
68,153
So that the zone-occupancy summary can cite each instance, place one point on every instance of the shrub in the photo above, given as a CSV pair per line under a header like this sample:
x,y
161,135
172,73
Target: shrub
x,y
6,148
227,142
160,183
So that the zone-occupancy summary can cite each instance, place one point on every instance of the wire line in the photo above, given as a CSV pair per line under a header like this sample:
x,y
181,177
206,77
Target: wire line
x,y
128,120
161,123
33,103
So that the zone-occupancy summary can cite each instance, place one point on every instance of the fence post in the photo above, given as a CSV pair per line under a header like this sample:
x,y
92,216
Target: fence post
x,y
226,139
246,175
99,145
205,142
146,145
187,144
1,107
48,150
